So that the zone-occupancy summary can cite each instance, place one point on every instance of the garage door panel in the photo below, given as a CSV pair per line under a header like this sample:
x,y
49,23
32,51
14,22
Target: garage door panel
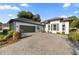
x,y
25,29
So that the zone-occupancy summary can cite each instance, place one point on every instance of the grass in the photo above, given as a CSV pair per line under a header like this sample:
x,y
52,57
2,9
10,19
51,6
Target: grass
x,y
8,40
1,36
74,36
1,33
4,33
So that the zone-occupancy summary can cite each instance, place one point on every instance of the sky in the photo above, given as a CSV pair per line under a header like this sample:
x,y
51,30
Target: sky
x,y
45,10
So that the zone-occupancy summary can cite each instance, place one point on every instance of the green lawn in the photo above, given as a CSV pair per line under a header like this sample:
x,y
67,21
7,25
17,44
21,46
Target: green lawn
x,y
74,35
1,36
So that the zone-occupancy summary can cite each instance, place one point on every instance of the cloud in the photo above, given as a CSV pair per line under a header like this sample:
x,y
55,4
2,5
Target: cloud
x,y
24,4
75,12
9,7
64,16
10,15
66,5
70,15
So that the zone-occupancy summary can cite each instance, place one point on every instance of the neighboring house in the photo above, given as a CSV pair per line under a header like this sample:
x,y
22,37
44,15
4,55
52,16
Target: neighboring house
x,y
24,25
57,25
5,26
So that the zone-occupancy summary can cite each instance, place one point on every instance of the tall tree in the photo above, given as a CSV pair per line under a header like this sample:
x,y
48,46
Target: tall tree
x,y
36,17
22,14
0,22
75,21
29,15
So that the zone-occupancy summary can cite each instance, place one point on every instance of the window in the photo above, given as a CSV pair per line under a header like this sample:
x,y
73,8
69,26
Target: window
x,y
38,27
63,27
57,27
54,27
51,27
48,27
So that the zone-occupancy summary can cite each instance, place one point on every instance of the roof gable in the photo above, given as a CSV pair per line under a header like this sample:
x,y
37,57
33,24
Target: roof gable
x,y
25,20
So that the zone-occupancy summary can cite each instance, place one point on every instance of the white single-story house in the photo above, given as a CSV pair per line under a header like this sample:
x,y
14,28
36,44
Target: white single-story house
x,y
57,25
54,25
24,25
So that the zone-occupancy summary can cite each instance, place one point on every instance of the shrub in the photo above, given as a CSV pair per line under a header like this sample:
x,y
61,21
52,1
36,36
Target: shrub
x,y
1,37
74,36
10,33
1,33
43,31
16,35
72,29
63,32
5,32
58,33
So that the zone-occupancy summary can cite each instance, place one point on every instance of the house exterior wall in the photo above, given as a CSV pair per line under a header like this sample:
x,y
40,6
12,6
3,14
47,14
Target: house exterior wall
x,y
66,31
12,26
17,26
67,27
55,22
46,27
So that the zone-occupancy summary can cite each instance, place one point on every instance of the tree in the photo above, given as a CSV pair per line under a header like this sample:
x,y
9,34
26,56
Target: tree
x,y
22,14
36,17
75,21
29,15
0,23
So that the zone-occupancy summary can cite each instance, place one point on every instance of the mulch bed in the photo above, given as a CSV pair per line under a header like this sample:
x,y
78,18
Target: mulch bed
x,y
7,42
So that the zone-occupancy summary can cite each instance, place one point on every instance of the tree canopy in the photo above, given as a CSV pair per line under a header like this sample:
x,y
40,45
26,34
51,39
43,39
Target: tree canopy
x,y
75,21
0,23
29,15
36,17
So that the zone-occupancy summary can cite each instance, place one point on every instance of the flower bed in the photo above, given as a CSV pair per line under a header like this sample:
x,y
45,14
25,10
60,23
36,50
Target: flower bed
x,y
10,38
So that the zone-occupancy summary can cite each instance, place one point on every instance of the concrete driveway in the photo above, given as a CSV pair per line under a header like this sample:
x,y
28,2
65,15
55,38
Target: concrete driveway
x,y
39,44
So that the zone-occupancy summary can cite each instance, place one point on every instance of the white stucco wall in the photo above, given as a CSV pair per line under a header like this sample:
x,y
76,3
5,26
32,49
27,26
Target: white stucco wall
x,y
66,27
46,27
26,24
60,27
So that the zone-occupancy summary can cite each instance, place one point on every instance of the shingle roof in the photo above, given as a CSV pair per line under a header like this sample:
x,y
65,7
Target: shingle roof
x,y
58,18
26,21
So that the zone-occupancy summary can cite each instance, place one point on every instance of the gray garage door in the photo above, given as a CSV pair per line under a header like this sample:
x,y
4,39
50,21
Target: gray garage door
x,y
27,29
